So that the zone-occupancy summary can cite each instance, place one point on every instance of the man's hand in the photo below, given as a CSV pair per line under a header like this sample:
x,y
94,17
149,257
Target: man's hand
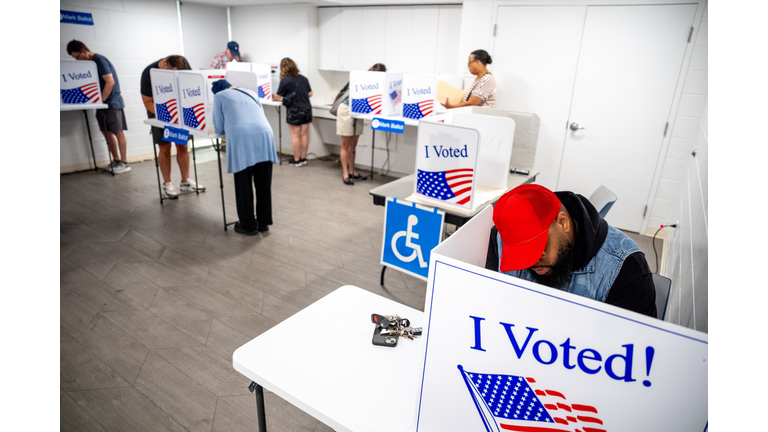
x,y
109,82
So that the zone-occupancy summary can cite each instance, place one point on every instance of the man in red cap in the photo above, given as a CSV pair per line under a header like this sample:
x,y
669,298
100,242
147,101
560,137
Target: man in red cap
x,y
558,239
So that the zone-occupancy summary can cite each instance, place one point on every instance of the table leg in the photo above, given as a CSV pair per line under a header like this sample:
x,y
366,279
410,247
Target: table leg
x,y
383,269
157,168
221,184
373,147
259,390
90,139
194,163
280,131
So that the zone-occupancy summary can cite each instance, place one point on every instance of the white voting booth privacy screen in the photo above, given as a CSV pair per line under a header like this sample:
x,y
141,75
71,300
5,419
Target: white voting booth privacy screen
x,y
503,354
419,96
263,74
238,66
195,106
446,159
165,95
378,93
243,79
211,76
79,83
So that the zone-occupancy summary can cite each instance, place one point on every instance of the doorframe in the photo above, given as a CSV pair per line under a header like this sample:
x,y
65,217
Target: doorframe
x,y
661,157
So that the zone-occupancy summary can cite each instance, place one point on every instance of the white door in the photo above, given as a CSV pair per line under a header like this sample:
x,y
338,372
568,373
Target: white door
x,y
630,61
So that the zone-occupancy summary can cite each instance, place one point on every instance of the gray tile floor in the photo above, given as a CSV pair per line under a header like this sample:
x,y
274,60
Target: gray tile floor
x,y
155,298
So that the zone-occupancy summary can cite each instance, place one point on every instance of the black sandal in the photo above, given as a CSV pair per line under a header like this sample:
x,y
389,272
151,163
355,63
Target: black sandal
x,y
356,176
348,181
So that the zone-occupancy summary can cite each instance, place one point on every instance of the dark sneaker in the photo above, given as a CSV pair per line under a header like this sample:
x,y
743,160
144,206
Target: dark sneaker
x,y
293,162
239,229
302,162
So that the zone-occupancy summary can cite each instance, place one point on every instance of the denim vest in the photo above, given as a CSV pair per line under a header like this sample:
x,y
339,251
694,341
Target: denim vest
x,y
596,278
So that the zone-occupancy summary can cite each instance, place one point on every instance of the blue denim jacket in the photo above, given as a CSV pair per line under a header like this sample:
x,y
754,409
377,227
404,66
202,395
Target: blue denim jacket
x,y
596,278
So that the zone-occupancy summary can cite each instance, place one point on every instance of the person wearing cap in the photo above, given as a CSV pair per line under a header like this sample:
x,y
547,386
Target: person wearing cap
x,y
239,115
558,239
221,59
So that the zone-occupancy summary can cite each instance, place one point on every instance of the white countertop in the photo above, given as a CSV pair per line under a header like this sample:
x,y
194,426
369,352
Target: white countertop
x,y
80,107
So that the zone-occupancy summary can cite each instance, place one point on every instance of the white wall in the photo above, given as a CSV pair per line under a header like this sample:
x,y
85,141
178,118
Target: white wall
x,y
682,196
131,34
205,33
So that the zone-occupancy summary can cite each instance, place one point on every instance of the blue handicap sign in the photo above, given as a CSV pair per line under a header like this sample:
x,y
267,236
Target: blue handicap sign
x,y
411,232
175,135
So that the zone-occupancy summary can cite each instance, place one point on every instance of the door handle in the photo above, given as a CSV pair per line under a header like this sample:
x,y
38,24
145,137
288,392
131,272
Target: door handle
x,y
575,126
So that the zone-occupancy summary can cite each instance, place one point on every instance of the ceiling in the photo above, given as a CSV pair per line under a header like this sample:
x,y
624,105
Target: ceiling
x,y
321,2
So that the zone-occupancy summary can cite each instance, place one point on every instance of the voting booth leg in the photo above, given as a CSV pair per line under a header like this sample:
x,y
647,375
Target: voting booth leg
x,y
259,391
373,147
383,269
90,140
157,168
221,184
194,163
280,132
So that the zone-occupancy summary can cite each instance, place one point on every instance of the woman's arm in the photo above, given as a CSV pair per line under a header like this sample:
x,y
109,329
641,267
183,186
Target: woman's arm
x,y
472,101
310,94
276,97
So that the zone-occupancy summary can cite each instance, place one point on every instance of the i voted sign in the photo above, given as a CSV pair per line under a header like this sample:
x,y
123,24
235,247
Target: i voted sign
x,y
175,135
419,96
194,103
411,232
387,125
263,80
165,95
79,82
446,159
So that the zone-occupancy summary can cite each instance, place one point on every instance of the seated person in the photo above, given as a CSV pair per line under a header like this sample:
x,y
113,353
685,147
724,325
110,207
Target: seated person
x,y
559,240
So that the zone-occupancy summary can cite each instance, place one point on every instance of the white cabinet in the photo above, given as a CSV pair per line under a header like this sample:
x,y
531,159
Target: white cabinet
x,y
328,25
408,39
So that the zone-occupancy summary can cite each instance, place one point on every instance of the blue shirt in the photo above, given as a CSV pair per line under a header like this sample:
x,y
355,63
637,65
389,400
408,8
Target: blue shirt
x,y
104,67
241,119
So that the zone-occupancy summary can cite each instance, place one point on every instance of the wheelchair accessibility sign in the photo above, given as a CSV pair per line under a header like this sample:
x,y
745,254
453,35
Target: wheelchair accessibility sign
x,y
411,231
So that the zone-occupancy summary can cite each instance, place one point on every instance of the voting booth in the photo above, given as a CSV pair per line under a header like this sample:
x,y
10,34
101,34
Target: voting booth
x,y
196,104
165,95
378,93
263,74
79,83
238,66
244,79
419,96
506,354
211,76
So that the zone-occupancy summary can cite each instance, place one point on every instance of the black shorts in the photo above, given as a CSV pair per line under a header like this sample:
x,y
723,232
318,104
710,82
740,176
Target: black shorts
x,y
157,136
298,116
111,120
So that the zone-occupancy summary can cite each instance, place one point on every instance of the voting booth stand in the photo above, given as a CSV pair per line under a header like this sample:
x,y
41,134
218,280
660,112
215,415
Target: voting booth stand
x,y
376,93
175,110
419,96
79,90
506,354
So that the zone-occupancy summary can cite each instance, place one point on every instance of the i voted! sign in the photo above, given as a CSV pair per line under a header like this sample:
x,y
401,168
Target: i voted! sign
x,y
263,80
194,99
165,95
79,83
419,96
446,159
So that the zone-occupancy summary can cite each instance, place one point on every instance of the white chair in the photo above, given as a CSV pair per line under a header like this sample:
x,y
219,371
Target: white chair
x,y
603,200
663,285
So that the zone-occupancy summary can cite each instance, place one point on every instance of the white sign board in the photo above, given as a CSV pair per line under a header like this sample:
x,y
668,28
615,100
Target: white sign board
x,y
79,83
239,66
211,76
496,137
419,96
506,354
195,105
263,80
446,159
378,93
165,95
243,79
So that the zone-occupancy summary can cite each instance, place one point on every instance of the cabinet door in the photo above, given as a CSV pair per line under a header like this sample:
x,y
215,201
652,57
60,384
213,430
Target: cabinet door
x,y
423,40
351,38
398,39
328,22
375,25
448,30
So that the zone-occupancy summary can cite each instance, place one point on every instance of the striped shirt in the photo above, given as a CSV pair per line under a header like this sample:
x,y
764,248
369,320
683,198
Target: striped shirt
x,y
220,60
484,88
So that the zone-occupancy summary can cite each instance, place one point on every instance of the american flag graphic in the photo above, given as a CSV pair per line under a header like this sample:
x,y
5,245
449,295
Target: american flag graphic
x,y
454,186
88,93
418,110
195,117
166,112
514,403
367,105
396,97
265,91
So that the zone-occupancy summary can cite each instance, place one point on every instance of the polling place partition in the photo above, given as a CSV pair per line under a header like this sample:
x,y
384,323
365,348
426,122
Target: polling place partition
x,y
377,93
211,76
419,96
502,353
239,66
196,107
263,80
165,95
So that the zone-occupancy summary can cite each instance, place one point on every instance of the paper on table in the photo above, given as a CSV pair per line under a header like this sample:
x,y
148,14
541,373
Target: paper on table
x,y
446,91
483,194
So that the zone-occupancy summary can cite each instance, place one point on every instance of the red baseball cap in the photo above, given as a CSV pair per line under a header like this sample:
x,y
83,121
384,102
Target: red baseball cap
x,y
523,216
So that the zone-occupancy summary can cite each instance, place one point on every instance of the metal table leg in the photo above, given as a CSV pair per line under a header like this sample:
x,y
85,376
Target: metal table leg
x,y
157,168
280,131
194,162
90,139
383,269
373,147
259,390
221,184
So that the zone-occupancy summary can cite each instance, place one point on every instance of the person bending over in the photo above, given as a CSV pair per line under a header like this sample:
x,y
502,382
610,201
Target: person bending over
x,y
174,62
558,239
238,114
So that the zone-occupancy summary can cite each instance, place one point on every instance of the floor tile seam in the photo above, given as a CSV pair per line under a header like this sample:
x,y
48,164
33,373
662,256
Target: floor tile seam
x,y
68,393
177,327
149,399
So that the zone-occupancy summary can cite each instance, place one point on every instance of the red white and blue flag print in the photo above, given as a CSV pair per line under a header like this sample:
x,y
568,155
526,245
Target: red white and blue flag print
x,y
195,117
418,110
453,186
514,403
265,90
396,97
88,93
371,104
167,112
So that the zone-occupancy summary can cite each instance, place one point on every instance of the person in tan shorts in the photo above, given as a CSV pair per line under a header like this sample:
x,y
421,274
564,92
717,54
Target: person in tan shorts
x,y
350,129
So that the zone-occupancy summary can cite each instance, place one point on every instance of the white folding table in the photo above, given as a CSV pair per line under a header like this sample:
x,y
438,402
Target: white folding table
x,y
84,108
322,361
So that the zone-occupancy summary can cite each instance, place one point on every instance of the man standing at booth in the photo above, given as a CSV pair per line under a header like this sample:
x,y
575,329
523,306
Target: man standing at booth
x,y
174,62
111,120
221,59
558,239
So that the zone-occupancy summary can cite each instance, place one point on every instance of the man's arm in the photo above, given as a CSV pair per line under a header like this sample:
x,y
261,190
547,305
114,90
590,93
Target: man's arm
x,y
109,82
633,288
149,103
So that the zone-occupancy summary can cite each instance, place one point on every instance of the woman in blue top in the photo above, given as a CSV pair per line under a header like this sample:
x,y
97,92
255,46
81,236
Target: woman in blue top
x,y
238,114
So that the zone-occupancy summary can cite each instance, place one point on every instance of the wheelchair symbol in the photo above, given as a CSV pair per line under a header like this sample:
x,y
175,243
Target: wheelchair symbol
x,y
409,236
